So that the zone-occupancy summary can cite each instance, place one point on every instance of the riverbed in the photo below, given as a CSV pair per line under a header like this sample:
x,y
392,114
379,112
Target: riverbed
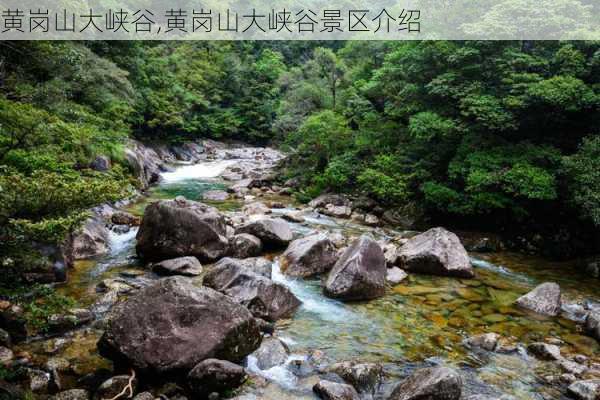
x,y
421,321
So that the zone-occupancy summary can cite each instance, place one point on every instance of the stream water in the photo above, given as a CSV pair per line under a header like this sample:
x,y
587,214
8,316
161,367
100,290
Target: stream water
x,y
422,320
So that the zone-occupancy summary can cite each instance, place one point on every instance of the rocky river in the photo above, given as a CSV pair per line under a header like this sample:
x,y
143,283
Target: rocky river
x,y
348,310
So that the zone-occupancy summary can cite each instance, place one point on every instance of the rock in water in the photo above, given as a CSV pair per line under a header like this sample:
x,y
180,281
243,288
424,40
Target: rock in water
x,y
365,377
436,252
544,299
273,232
545,351
222,273
245,245
171,326
437,383
310,255
91,239
214,375
177,228
186,266
360,272
328,390
395,275
585,390
271,352
592,325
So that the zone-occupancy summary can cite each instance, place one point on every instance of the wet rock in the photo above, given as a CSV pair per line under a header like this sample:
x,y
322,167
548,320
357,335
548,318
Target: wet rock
x,y
572,367
271,352
125,218
263,297
585,390
395,275
337,211
293,216
390,251
329,198
592,325
364,377
153,333
486,341
308,256
256,208
227,269
273,232
5,338
73,394
328,390
214,375
545,299
74,318
215,195
38,380
245,245
185,266
436,383
177,228
545,351
114,386
6,355
359,274
101,164
91,240
436,252
12,320
144,396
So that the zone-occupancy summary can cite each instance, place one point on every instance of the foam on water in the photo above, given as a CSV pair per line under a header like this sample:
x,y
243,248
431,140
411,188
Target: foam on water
x,y
280,374
209,169
121,250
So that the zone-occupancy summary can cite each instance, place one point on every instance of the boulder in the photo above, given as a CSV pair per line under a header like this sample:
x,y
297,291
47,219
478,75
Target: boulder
x,y
585,390
545,299
114,386
101,164
308,256
359,274
364,377
436,383
154,333
215,195
274,232
124,218
177,228
144,162
73,394
91,240
329,198
271,352
337,211
328,390
245,245
485,341
215,376
6,355
222,273
592,325
395,275
293,216
256,208
436,252
545,351
185,266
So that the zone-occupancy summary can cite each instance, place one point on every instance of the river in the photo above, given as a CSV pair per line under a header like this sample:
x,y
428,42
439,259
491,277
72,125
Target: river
x,y
421,321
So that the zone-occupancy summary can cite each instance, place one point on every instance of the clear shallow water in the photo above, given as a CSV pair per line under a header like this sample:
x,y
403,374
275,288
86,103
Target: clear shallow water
x,y
423,318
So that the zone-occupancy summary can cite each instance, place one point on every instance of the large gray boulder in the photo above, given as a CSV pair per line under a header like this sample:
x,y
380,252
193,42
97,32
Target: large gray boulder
x,y
592,325
585,390
308,256
185,266
177,228
91,240
545,299
436,252
273,232
245,245
436,383
360,272
171,326
248,284
215,376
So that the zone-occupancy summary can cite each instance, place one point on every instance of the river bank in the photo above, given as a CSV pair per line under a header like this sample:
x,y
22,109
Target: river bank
x,y
422,321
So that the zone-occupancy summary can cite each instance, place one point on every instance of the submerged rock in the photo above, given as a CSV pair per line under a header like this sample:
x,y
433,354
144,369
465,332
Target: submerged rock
x,y
436,383
328,390
545,299
154,333
273,232
177,228
185,266
436,252
308,256
217,376
359,274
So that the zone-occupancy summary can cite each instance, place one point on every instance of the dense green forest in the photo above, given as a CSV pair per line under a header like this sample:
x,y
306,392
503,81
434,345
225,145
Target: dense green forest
x,y
481,135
